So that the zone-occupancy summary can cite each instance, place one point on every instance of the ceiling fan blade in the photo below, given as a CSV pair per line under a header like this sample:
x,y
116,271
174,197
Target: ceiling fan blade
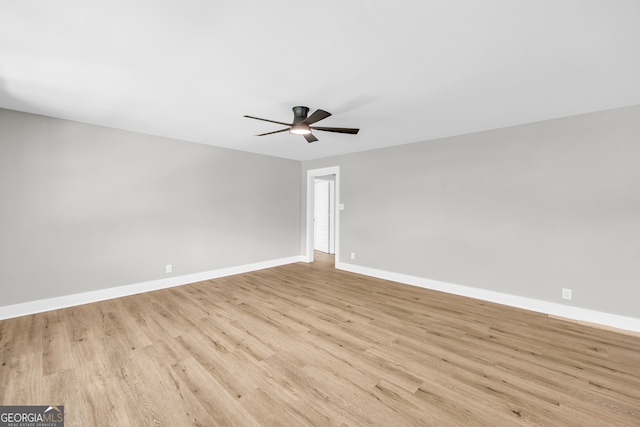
x,y
267,120
275,131
316,117
337,130
310,138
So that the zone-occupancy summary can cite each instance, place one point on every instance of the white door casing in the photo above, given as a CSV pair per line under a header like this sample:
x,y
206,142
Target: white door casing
x,y
332,215
321,223
324,214
311,175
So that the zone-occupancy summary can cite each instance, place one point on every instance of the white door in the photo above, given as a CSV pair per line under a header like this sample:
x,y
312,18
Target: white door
x,y
321,221
332,213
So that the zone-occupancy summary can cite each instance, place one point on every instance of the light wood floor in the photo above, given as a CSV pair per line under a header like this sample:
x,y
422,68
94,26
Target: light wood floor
x,y
307,345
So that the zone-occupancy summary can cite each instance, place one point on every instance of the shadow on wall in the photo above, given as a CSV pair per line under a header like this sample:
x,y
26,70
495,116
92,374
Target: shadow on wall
x,y
29,93
10,102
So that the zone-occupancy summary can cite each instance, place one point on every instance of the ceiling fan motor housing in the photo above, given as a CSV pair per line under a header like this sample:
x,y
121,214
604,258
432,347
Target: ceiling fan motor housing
x,y
300,114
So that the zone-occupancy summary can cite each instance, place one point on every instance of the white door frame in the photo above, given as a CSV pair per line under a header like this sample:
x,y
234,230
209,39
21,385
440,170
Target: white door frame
x,y
328,216
311,175
332,216
322,221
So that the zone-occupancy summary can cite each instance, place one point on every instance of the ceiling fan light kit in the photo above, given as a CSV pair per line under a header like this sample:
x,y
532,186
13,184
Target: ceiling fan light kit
x,y
300,129
302,124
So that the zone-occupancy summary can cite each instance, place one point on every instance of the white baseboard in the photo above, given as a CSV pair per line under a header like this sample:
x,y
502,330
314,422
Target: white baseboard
x,y
55,303
553,309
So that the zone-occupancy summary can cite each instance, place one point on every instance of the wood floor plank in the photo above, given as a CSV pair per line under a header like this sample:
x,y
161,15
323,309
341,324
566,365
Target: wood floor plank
x,y
222,407
308,345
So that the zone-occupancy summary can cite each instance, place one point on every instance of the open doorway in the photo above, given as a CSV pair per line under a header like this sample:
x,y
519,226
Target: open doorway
x,y
325,236
324,214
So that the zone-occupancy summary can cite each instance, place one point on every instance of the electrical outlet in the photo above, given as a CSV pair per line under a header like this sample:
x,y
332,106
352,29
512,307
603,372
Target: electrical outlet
x,y
566,293
353,255
168,268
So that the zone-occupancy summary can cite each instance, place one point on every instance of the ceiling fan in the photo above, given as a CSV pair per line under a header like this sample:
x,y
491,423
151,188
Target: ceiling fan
x,y
302,124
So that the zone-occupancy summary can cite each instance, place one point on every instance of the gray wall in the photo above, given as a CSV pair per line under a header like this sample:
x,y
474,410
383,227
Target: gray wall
x,y
85,207
524,210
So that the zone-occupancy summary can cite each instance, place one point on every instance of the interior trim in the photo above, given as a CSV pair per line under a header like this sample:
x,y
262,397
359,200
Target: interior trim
x,y
567,312
38,306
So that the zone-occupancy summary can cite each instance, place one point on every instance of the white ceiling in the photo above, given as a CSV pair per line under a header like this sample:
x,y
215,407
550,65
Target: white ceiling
x,y
402,71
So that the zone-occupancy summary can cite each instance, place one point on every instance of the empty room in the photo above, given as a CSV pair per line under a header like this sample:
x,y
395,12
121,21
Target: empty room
x,y
356,213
